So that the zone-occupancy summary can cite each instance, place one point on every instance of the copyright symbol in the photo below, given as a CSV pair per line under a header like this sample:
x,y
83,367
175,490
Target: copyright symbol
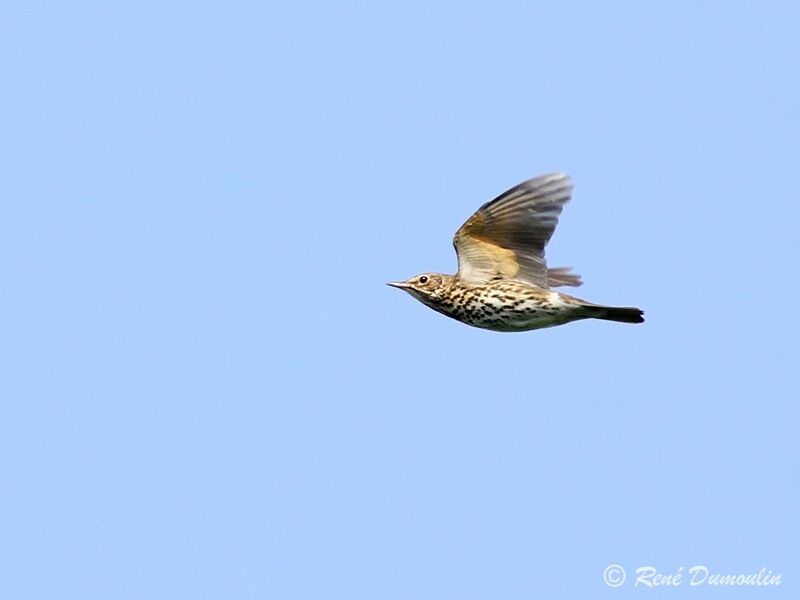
x,y
614,576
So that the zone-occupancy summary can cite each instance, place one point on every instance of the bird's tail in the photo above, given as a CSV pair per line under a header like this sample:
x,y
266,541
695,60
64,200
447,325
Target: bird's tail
x,y
614,313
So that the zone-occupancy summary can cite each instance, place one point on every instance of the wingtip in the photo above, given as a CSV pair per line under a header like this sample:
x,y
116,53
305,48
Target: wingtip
x,y
563,276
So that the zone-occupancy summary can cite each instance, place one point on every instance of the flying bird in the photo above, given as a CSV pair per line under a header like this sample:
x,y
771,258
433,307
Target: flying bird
x,y
503,283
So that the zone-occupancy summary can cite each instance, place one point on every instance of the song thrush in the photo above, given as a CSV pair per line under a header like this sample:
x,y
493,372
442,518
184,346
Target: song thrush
x,y
503,282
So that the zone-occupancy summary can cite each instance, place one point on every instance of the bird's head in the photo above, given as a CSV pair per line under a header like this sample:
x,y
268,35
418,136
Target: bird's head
x,y
426,287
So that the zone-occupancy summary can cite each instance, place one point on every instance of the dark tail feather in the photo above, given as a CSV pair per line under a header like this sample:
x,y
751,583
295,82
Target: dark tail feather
x,y
613,313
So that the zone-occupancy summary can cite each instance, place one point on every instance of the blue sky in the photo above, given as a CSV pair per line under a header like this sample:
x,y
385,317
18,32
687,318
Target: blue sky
x,y
209,392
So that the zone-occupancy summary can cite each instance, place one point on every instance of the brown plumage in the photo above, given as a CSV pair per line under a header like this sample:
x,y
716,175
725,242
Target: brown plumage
x,y
503,282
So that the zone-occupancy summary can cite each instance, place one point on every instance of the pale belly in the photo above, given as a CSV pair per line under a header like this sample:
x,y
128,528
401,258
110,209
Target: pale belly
x,y
500,314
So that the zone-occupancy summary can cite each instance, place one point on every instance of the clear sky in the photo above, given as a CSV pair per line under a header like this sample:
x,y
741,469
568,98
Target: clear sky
x,y
209,392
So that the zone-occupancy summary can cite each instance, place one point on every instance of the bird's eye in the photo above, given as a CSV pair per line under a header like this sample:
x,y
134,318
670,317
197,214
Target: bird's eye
x,y
423,279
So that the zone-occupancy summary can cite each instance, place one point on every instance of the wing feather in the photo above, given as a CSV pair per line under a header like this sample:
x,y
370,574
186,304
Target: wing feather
x,y
506,237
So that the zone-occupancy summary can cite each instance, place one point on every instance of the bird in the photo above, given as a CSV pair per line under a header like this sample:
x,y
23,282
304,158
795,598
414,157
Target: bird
x,y
503,282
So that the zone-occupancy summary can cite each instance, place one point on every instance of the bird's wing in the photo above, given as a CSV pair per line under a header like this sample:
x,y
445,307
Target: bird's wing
x,y
506,237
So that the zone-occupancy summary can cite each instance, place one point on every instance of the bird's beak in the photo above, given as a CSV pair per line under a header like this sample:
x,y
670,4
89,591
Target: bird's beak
x,y
399,284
